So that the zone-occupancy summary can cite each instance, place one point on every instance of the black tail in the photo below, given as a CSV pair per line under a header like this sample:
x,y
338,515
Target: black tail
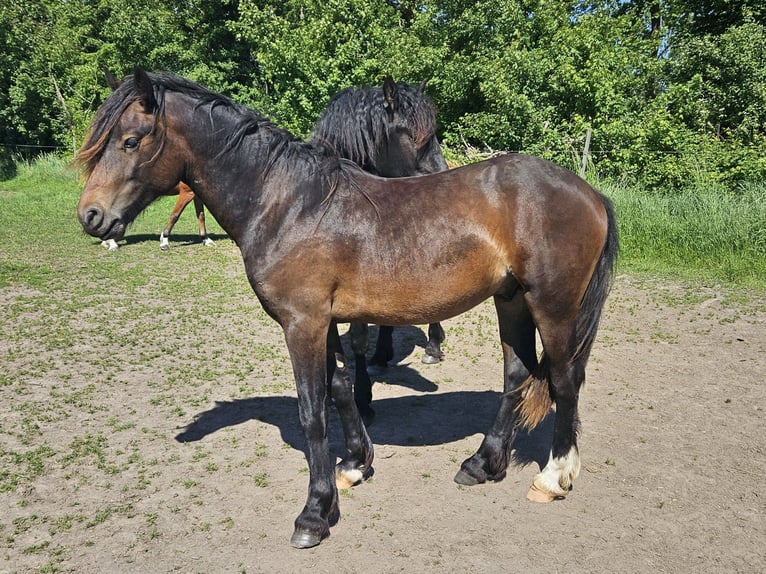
x,y
600,282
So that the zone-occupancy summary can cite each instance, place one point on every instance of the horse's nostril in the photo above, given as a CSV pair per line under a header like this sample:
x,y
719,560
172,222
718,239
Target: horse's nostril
x,y
93,218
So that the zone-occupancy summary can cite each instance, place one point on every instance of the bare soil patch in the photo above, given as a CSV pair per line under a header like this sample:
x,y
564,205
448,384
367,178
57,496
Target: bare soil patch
x,y
180,451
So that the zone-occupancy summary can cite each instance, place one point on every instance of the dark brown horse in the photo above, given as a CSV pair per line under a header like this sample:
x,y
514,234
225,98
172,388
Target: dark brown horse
x,y
325,242
389,131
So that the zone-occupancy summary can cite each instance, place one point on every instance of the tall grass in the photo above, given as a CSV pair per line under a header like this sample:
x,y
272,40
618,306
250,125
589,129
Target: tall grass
x,y
706,232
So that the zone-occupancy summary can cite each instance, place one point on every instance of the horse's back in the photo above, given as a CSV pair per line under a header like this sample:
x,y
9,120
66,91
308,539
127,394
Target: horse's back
x,y
500,193
465,234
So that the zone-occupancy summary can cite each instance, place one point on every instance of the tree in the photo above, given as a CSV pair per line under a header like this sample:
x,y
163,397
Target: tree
x,y
306,51
669,88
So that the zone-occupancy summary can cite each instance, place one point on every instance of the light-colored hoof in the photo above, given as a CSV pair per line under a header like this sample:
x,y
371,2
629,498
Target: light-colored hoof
x,y
347,479
110,244
208,242
536,494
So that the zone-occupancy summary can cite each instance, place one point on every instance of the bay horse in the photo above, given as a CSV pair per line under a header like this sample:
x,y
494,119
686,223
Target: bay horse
x,y
185,197
389,131
325,242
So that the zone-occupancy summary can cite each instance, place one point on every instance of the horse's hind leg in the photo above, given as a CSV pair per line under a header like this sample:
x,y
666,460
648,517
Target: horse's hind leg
x,y
358,334
183,200
199,208
564,366
566,376
517,335
433,348
384,347
357,464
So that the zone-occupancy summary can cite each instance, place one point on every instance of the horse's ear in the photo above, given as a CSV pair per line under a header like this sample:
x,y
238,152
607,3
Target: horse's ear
x,y
111,81
422,86
145,89
389,93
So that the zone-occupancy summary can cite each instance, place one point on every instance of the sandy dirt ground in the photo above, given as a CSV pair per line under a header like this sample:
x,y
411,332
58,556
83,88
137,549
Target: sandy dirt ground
x,y
159,462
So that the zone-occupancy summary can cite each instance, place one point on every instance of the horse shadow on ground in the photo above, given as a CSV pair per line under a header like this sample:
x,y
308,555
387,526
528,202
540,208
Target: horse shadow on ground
x,y
401,421
176,239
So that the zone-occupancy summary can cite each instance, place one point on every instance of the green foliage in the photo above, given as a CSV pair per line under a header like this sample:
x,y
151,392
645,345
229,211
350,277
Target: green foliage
x,y
672,91
308,51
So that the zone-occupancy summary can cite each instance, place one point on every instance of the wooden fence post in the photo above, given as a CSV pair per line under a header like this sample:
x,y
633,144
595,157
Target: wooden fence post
x,y
585,153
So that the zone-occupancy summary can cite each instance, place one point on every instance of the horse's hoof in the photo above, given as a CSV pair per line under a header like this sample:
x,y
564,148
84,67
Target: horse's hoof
x,y
208,242
462,477
303,539
164,247
345,479
430,359
536,494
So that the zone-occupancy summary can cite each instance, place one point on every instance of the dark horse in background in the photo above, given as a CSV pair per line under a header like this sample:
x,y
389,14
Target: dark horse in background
x,y
389,131
324,242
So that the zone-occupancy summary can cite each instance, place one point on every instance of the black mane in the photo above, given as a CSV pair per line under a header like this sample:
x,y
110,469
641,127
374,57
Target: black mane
x,y
247,121
356,120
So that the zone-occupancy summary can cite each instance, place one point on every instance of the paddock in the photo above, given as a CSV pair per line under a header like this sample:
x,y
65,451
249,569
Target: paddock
x,y
159,445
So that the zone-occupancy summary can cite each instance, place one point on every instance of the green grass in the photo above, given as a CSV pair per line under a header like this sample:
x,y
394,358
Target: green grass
x,y
705,233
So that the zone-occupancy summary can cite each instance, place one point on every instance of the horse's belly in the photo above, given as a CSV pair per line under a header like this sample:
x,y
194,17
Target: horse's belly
x,y
402,300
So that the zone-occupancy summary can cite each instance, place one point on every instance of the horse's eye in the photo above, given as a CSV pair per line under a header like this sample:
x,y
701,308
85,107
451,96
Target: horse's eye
x,y
130,143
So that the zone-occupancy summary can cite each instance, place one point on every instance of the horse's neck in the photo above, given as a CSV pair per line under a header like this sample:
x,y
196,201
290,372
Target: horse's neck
x,y
229,185
240,187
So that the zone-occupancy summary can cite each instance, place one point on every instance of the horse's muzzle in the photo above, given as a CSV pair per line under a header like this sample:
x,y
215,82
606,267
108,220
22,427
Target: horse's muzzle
x,y
95,222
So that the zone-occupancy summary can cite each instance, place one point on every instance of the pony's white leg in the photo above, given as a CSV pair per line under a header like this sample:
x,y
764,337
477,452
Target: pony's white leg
x,y
207,241
164,243
555,480
110,244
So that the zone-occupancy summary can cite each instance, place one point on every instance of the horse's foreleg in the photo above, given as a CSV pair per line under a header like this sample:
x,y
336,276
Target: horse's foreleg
x,y
359,336
433,347
517,335
199,208
183,200
357,464
307,347
384,347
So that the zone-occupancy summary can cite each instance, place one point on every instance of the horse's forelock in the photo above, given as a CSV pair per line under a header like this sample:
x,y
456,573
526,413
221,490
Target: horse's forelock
x,y
418,111
107,117
118,101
